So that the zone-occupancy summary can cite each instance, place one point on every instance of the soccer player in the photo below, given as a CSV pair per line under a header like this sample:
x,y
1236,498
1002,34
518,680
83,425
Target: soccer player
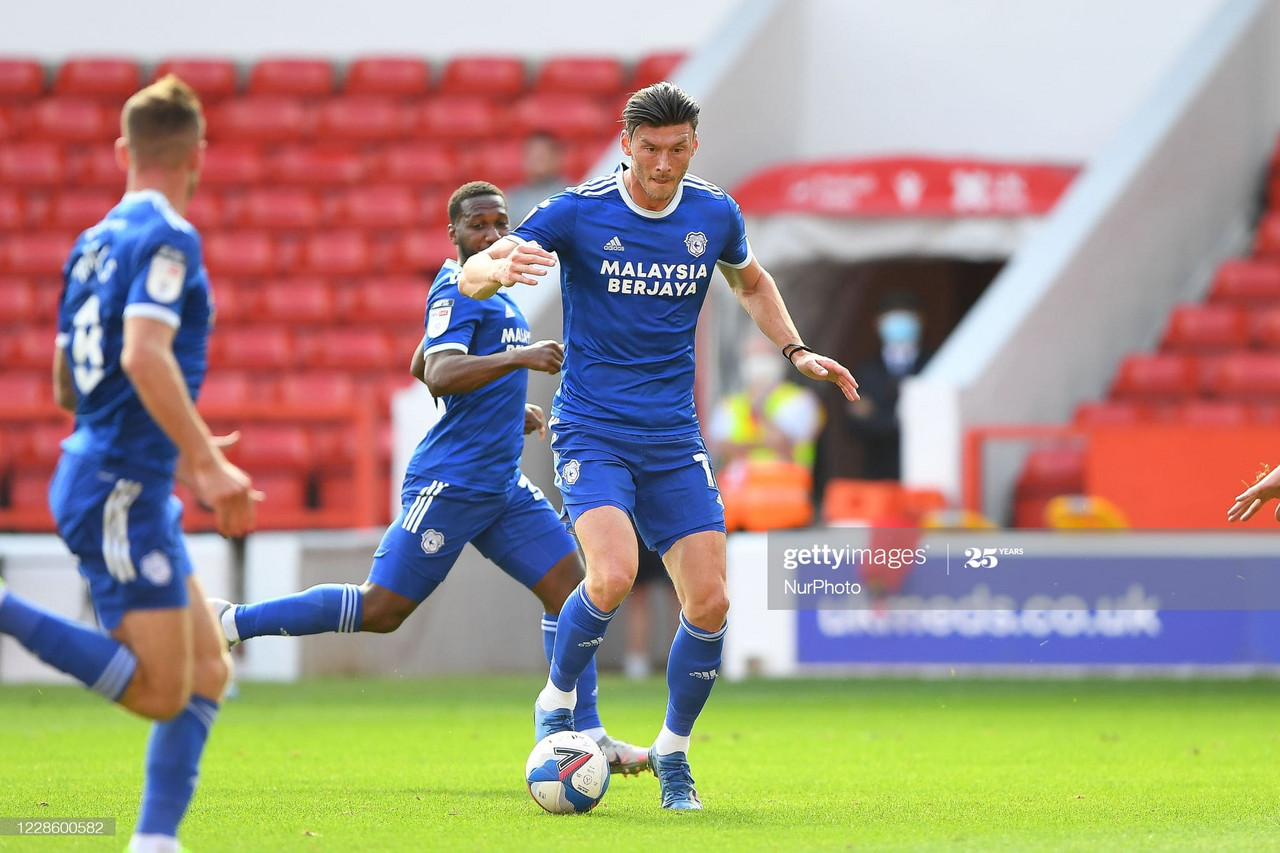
x,y
637,248
133,330
464,482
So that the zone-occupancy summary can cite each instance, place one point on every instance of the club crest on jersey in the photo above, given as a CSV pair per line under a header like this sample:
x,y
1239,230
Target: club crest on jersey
x,y
438,317
156,568
432,541
570,471
696,242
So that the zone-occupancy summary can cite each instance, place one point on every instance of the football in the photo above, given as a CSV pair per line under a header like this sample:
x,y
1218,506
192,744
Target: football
x,y
567,773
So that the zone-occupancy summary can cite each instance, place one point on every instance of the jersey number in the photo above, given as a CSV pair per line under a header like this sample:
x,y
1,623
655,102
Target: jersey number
x,y
86,346
706,466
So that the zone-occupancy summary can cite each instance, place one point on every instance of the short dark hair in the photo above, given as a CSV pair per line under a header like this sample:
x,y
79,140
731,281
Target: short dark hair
x,y
162,122
472,189
660,105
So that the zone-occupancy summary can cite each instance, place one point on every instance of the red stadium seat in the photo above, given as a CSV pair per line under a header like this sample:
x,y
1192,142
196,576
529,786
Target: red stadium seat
x,y
233,165
420,163
654,68
1156,376
584,75
423,251
239,253
394,299
32,346
29,490
107,77
458,118
73,120
564,115
76,210
500,161
1110,413
273,447
262,118
235,303
1266,327
370,118
17,300
310,78
1243,376
483,75
354,349
31,164
1056,469
379,206
12,121
223,389
1207,413
299,164
26,388
1201,328
387,75
317,388
1246,281
213,79
303,300
20,79
337,253
13,211
581,158
1266,243
252,348
36,253
97,166
282,208
204,211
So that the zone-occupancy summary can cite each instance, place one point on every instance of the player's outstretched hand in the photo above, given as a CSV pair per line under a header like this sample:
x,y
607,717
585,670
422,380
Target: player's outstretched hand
x,y
534,421
820,367
543,356
526,264
229,492
185,473
1251,499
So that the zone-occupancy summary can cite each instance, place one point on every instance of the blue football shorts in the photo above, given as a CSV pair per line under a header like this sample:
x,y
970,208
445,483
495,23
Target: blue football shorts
x,y
518,530
125,526
665,484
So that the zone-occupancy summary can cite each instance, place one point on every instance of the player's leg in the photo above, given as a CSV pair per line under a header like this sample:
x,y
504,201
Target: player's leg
x,y
678,509
176,746
415,555
652,585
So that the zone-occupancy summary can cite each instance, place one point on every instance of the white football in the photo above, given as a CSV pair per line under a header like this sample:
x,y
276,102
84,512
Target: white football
x,y
567,773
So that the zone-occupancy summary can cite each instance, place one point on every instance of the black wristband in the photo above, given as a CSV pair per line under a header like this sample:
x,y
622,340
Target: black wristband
x,y
791,349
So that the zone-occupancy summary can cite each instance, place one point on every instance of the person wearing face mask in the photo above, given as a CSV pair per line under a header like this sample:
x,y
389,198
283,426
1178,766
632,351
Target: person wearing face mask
x,y
874,418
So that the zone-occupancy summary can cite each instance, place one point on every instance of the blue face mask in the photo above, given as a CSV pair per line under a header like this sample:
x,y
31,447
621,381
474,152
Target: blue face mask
x,y
899,327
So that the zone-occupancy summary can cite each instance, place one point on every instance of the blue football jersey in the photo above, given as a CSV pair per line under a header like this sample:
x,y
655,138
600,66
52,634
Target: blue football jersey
x,y
633,282
477,443
142,260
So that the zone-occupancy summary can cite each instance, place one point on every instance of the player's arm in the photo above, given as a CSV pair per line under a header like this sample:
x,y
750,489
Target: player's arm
x,y
758,293
1255,497
418,365
64,391
148,361
508,261
449,371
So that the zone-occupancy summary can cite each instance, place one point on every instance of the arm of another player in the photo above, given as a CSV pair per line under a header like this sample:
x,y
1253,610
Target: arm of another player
x,y
64,391
758,293
1253,498
148,361
447,372
507,262
535,421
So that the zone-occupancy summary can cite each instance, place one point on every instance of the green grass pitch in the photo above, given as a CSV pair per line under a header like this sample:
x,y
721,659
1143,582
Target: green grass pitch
x,y
784,766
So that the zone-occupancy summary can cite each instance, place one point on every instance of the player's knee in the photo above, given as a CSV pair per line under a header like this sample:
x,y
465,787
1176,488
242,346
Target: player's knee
x,y
381,619
708,611
160,698
212,673
609,586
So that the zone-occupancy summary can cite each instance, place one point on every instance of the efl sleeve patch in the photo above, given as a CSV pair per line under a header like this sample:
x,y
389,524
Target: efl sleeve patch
x,y
438,316
167,274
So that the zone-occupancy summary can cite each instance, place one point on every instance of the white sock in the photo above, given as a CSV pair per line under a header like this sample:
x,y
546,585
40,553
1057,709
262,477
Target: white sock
x,y
669,742
553,697
229,624
596,733
153,844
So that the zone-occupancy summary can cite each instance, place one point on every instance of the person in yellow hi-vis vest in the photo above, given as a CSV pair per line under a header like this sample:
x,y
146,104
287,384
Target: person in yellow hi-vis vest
x,y
763,439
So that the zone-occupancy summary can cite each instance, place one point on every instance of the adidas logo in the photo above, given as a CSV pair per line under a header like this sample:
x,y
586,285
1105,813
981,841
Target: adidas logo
x,y
594,641
614,245
706,675
510,311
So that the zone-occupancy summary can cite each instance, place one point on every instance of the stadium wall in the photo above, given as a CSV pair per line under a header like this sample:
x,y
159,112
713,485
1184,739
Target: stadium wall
x,y
1142,228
